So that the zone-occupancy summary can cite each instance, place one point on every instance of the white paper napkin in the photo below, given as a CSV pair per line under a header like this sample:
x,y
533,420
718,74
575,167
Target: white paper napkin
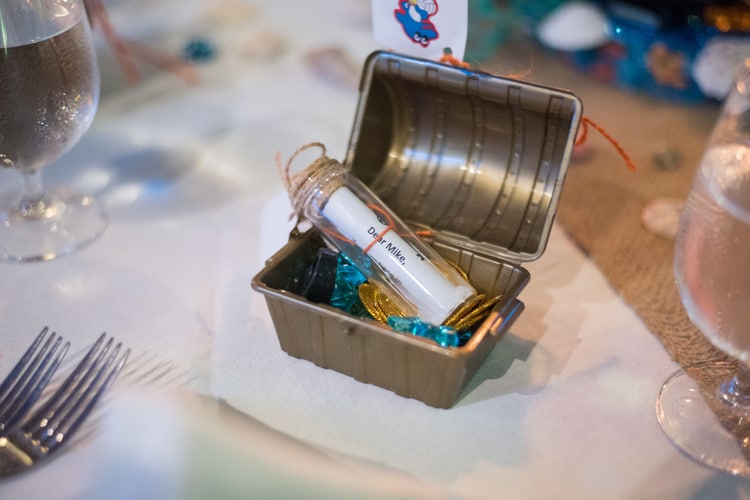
x,y
183,446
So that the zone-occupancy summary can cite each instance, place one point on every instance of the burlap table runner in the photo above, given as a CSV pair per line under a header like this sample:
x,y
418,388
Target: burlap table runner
x,y
602,201
601,210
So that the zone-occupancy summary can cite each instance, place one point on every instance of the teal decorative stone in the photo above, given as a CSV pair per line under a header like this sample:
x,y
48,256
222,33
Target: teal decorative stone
x,y
443,335
464,337
446,336
345,295
421,329
199,50
402,325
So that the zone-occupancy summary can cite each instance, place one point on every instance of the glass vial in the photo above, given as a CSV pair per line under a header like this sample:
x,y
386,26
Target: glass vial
x,y
392,257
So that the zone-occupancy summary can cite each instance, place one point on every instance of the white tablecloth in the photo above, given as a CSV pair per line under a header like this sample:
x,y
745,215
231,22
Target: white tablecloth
x,y
562,408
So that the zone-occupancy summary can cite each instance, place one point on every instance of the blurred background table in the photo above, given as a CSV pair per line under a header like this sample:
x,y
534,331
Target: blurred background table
x,y
562,408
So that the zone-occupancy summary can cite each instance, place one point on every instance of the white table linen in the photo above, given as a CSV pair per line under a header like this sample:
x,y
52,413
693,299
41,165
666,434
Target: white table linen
x,y
562,408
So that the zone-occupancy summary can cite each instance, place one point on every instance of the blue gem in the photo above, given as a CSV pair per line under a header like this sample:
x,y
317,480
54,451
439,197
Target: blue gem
x,y
421,329
402,325
345,295
446,336
464,337
199,50
443,335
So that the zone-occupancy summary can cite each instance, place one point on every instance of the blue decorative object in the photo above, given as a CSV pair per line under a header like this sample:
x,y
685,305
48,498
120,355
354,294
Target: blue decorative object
x,y
443,335
657,48
345,295
646,56
680,50
446,336
199,50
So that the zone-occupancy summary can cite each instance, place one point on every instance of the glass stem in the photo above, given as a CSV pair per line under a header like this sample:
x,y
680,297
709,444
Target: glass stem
x,y
736,391
33,203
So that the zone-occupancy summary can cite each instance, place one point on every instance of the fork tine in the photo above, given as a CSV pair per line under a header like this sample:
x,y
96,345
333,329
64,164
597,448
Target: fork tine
x,y
23,389
46,411
51,419
11,378
30,394
76,415
70,404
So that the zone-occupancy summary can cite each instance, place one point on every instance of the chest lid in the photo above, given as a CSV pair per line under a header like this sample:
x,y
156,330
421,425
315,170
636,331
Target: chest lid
x,y
477,159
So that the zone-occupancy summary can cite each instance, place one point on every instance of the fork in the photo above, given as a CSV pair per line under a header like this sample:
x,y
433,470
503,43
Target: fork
x,y
61,415
25,383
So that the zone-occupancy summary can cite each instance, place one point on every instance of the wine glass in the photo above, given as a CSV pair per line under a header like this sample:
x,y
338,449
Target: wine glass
x,y
705,408
49,93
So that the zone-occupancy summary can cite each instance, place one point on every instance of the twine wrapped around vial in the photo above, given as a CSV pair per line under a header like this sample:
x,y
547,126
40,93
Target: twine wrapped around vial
x,y
352,219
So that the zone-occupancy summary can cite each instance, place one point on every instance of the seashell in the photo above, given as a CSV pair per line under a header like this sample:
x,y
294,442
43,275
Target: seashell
x,y
231,12
333,65
717,64
661,216
263,45
574,26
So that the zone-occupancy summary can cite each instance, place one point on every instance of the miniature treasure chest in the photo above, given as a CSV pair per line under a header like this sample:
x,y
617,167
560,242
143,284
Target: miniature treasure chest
x,y
474,161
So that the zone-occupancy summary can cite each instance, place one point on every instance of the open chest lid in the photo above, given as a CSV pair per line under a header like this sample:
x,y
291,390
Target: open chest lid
x,y
477,159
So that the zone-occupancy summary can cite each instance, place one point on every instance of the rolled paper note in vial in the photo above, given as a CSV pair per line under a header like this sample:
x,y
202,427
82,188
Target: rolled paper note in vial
x,y
356,222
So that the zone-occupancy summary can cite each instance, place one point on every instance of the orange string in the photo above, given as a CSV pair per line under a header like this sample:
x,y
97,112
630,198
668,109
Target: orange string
x,y
98,17
391,225
449,58
126,51
583,134
164,61
586,122
337,235
454,61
